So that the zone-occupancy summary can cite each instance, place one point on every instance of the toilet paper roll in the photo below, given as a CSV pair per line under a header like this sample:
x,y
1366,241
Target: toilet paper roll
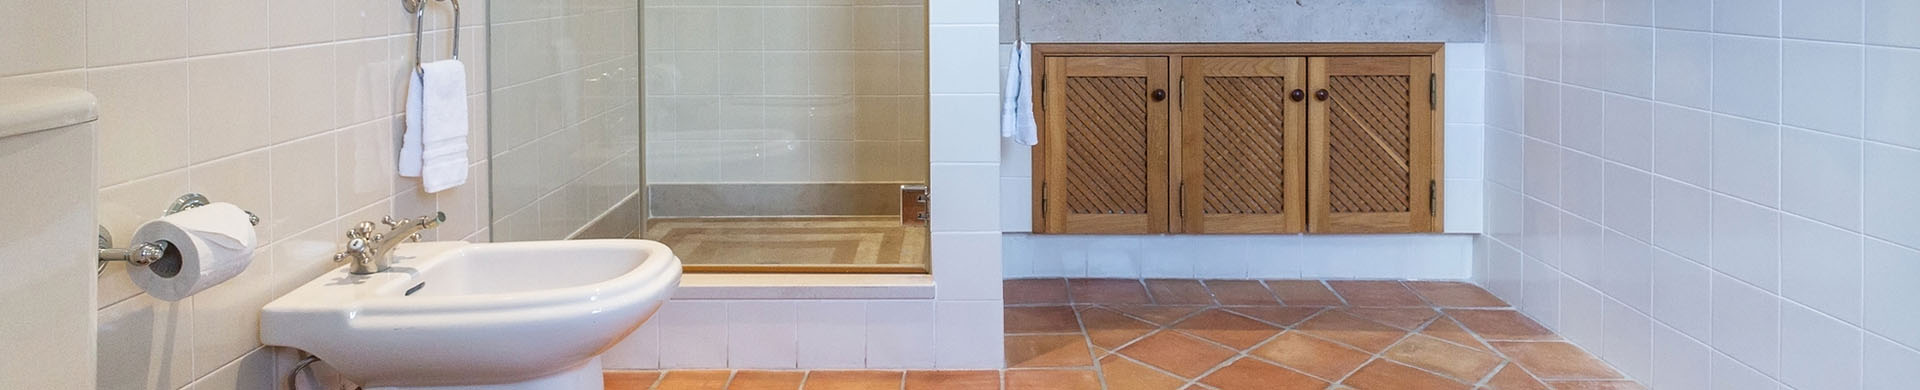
x,y
206,246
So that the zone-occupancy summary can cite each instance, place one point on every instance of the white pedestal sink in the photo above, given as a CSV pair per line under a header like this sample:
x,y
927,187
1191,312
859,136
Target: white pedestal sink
x,y
463,316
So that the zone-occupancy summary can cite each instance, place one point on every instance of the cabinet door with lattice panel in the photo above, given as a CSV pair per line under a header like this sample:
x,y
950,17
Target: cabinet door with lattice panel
x,y
1242,154
1372,145
1103,146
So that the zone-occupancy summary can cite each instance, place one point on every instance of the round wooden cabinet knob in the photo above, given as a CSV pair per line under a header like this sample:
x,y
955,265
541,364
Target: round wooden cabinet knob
x,y
1298,95
1159,95
1320,95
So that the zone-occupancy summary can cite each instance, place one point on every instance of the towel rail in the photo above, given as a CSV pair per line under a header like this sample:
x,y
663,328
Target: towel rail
x,y
419,10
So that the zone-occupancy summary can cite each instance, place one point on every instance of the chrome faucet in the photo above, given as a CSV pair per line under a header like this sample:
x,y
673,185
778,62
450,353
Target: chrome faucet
x,y
373,252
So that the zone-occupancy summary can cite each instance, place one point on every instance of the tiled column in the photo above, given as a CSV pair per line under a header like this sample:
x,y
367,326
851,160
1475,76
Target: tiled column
x,y
963,56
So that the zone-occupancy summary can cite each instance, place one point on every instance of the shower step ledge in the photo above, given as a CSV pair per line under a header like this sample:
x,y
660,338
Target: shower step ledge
x,y
804,286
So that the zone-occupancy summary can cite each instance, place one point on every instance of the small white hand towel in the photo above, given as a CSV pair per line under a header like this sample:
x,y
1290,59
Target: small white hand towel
x,y
410,139
1016,111
443,124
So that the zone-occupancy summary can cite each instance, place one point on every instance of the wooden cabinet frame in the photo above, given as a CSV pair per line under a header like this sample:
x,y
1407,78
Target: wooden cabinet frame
x,y
1177,209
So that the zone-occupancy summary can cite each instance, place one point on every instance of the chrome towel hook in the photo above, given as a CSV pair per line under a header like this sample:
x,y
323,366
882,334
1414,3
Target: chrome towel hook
x,y
418,8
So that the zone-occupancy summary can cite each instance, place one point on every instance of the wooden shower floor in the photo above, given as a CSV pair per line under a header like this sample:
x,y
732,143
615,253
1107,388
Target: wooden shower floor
x,y
813,241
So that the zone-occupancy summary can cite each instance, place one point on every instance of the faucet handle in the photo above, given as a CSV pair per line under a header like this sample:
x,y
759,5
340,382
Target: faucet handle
x,y
390,222
356,247
360,230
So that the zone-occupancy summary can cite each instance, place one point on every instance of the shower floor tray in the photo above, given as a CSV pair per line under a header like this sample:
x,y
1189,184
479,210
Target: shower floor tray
x,y
792,241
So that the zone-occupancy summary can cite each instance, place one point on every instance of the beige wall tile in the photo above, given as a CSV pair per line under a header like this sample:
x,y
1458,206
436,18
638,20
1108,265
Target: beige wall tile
x,y
220,26
365,170
42,36
148,30
303,88
304,196
296,22
224,109
145,344
143,119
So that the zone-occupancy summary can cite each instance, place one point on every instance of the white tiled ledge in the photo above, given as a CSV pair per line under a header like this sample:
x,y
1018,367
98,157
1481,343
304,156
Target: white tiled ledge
x,y
804,286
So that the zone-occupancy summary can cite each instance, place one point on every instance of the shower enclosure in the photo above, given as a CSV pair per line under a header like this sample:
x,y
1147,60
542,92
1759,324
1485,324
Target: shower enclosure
x,y
748,135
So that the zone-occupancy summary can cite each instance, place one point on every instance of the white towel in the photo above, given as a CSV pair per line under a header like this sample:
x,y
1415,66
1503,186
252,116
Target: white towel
x,y
410,140
1016,111
443,125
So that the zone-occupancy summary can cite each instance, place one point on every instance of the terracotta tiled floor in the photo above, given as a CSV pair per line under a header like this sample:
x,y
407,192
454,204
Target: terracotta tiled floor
x,y
1227,335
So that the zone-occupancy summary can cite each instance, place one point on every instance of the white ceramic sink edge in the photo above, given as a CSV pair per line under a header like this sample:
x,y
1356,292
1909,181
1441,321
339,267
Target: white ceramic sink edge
x,y
464,314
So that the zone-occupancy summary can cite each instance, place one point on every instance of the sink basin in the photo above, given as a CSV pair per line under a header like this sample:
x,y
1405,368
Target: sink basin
x,y
465,316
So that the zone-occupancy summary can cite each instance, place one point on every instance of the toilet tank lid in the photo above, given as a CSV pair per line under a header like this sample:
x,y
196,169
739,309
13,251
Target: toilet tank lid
x,y
31,109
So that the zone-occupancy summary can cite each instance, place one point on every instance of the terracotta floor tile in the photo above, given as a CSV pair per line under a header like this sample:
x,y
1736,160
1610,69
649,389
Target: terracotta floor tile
x,y
1031,351
1241,292
1035,291
767,380
1556,361
1446,329
953,380
855,380
1227,328
1596,385
1456,294
1157,314
695,380
1053,380
1387,375
1304,293
1249,374
1313,356
1041,319
1123,374
1502,325
1178,292
1059,328
1408,318
1108,291
1177,353
1461,363
1376,293
1107,328
630,380
1278,315
1345,328
1512,377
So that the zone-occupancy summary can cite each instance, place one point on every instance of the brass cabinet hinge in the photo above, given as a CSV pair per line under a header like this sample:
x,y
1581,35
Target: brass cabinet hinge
x,y
1433,198
1043,200
1433,88
1040,98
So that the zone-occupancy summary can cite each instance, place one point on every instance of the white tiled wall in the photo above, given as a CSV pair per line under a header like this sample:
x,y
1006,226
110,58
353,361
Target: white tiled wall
x,y
958,327
1447,256
286,108
786,91
1406,256
567,108
1710,193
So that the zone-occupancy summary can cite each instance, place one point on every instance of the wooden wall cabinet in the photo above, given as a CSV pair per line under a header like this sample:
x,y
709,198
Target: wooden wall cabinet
x,y
1237,138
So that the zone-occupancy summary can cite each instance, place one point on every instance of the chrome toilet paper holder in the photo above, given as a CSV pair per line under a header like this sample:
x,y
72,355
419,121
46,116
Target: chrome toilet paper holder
x,y
146,253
